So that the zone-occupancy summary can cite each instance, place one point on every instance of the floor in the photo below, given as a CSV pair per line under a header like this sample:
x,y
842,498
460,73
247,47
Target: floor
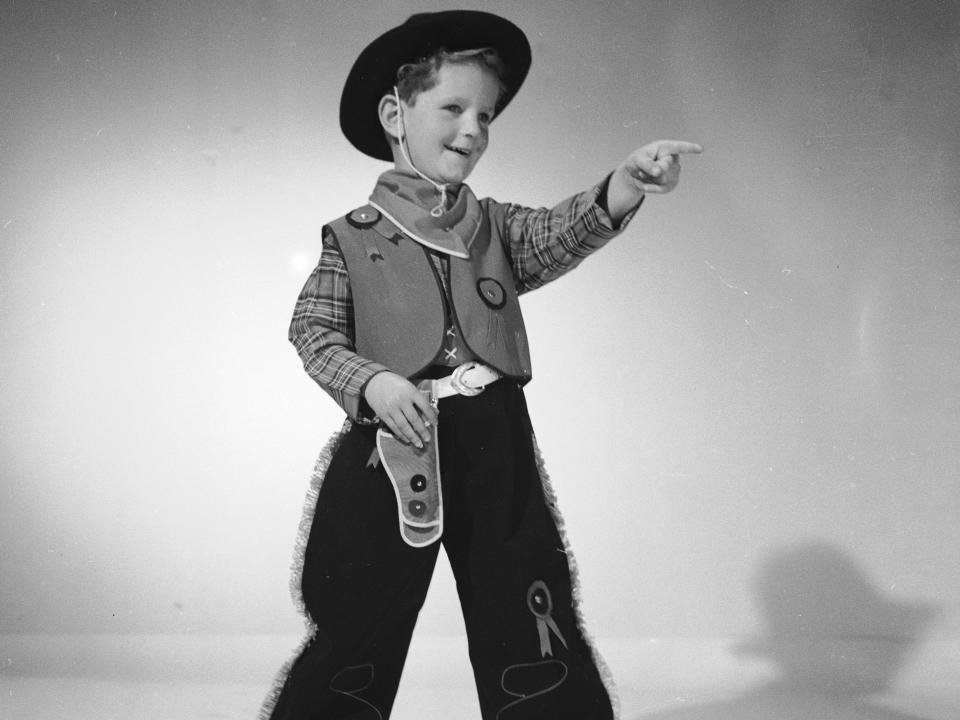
x,y
210,678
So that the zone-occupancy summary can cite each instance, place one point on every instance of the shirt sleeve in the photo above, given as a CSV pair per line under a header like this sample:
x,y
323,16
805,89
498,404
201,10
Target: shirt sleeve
x,y
322,332
545,243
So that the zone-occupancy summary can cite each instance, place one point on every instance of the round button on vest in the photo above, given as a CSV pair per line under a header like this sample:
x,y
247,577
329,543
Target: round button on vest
x,y
417,508
418,483
491,292
364,217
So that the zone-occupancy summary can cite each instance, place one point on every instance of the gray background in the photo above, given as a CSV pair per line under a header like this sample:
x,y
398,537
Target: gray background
x,y
749,403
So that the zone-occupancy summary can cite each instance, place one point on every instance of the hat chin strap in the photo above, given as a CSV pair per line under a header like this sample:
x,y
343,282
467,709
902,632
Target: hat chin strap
x,y
441,187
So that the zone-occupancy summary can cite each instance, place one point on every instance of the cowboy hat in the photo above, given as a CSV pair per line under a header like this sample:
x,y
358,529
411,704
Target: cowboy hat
x,y
375,71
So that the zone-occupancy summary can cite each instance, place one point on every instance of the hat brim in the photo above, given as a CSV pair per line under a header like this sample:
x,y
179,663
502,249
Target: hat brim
x,y
375,70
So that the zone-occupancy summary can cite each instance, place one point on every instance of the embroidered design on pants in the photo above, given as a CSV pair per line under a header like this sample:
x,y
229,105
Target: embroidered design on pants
x,y
541,605
526,681
351,681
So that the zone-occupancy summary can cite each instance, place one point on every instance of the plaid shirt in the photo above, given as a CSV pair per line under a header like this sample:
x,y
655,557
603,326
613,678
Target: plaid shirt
x,y
542,245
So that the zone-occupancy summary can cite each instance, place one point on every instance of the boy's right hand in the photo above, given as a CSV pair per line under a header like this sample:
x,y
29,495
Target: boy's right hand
x,y
405,411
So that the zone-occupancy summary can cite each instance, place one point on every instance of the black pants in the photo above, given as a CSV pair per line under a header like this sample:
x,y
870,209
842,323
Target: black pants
x,y
363,586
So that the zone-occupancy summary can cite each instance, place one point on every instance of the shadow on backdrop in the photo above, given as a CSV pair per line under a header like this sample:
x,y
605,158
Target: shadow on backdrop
x,y
835,642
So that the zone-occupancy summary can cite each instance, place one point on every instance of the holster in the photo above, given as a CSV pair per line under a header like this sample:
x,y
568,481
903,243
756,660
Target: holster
x,y
415,476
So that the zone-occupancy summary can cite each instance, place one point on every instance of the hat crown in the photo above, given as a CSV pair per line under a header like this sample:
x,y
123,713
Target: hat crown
x,y
418,18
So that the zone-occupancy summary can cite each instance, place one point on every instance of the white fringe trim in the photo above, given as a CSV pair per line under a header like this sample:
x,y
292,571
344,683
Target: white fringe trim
x,y
296,568
550,496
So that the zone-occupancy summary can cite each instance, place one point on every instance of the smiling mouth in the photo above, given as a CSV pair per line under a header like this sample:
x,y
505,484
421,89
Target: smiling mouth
x,y
458,151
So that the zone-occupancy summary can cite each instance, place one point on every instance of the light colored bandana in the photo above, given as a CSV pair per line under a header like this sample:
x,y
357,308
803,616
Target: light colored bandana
x,y
406,199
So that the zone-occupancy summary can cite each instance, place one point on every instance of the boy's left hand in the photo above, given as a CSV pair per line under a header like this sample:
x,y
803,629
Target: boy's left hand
x,y
653,168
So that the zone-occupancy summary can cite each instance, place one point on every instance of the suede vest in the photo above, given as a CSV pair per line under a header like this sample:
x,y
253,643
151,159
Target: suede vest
x,y
399,309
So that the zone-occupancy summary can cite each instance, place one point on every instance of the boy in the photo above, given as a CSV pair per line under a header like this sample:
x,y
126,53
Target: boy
x,y
411,322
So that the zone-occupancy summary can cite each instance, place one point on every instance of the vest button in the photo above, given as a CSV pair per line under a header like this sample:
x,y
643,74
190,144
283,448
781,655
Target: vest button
x,y
363,218
491,292
417,508
418,483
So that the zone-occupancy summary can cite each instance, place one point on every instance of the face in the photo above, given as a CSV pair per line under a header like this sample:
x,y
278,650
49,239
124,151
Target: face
x,y
447,126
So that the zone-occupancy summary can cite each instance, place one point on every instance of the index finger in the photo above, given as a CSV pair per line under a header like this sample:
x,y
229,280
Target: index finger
x,y
678,147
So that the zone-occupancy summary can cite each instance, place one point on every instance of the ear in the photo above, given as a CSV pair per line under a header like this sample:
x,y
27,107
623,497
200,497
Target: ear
x,y
390,116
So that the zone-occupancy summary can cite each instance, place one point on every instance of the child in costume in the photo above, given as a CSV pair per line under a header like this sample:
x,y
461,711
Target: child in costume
x,y
411,322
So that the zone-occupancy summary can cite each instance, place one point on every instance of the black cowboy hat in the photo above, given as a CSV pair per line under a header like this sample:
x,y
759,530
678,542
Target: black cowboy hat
x,y
375,72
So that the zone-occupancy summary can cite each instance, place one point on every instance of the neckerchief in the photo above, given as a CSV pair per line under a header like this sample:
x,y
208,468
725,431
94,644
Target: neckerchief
x,y
405,200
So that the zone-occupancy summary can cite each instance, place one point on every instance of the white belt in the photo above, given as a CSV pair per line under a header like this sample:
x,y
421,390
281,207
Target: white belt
x,y
468,379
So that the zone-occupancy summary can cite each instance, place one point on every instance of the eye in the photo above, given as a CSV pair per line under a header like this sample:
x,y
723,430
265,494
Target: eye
x,y
485,118
453,108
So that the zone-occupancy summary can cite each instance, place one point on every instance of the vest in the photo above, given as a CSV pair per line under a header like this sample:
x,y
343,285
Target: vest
x,y
398,302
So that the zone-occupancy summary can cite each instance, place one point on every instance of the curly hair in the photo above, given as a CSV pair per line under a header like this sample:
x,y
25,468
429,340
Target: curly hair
x,y
415,78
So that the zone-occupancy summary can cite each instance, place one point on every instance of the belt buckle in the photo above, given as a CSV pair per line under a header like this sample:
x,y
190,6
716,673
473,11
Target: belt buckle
x,y
457,383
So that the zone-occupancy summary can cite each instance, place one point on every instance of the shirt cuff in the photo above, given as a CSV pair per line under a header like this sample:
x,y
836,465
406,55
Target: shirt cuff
x,y
360,376
360,409
348,386
603,214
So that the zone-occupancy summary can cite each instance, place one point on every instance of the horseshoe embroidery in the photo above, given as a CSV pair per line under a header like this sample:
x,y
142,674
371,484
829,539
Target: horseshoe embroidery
x,y
526,681
351,681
